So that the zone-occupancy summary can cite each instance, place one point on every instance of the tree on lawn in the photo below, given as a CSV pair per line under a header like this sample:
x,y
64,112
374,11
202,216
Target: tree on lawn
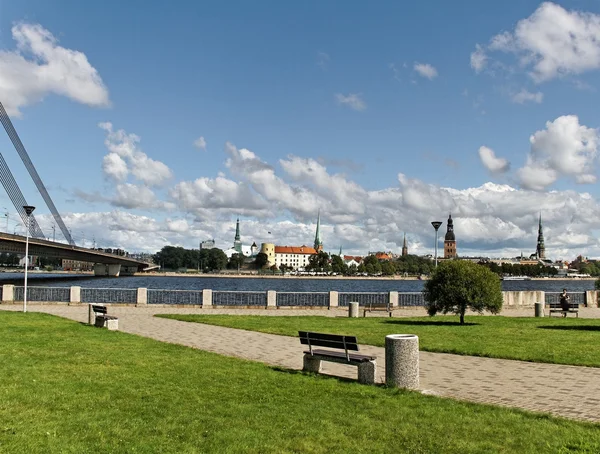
x,y
458,285
261,260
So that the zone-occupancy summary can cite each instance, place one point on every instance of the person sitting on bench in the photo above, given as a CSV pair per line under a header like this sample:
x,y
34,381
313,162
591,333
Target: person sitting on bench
x,y
565,299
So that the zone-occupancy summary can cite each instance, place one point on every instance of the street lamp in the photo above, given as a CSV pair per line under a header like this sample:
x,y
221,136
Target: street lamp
x,y
436,226
28,210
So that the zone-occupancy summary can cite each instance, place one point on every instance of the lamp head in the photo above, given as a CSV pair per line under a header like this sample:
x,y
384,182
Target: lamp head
x,y
436,225
28,209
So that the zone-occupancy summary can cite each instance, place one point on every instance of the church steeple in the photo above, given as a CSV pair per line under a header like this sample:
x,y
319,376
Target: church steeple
x,y
450,240
404,246
237,242
318,243
541,249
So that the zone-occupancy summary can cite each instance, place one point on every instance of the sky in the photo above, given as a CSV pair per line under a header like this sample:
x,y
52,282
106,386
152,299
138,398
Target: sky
x,y
160,123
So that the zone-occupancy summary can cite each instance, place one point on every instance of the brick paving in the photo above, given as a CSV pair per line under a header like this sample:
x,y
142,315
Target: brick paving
x,y
530,386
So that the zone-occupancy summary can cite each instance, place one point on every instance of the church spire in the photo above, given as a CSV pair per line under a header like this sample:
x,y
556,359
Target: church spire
x,y
540,249
237,242
318,243
404,246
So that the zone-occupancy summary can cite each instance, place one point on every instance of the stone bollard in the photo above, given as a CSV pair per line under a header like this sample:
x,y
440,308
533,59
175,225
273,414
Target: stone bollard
x,y
402,361
539,309
91,315
353,309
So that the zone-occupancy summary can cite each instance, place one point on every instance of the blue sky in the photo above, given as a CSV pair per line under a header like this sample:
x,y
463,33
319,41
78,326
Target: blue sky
x,y
375,114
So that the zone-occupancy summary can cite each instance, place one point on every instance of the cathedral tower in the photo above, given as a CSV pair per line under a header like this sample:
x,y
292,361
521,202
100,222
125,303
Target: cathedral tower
x,y
450,241
540,250
237,242
318,243
404,247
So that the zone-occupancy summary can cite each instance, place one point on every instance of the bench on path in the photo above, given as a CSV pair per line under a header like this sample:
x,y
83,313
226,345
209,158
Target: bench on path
x,y
374,307
556,307
103,320
366,364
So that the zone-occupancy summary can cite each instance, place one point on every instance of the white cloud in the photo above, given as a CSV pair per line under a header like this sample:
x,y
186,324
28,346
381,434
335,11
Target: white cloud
x,y
478,58
524,96
40,66
200,143
491,162
426,70
178,225
564,148
352,100
143,168
115,167
132,196
550,43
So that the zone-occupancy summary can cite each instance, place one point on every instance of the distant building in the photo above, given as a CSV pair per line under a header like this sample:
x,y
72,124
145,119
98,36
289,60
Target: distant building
x,y
238,247
237,242
383,256
77,265
293,256
352,260
207,244
404,247
450,240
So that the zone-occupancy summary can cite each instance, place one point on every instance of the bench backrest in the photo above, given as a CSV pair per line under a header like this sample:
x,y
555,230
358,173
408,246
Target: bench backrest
x,y
337,341
99,309
558,305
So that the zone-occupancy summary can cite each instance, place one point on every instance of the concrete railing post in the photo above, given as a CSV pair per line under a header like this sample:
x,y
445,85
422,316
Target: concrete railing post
x,y
591,298
8,293
75,295
333,299
353,309
91,315
393,298
142,296
539,309
271,298
207,298
402,361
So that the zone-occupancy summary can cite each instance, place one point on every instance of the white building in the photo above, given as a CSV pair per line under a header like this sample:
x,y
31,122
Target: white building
x,y
295,257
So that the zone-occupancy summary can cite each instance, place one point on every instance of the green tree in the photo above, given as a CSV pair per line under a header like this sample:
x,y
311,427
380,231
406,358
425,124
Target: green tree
x,y
388,269
338,265
456,285
217,260
319,262
236,262
261,260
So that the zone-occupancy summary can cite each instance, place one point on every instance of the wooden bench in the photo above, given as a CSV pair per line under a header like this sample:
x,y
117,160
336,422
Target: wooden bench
x,y
375,307
103,320
556,307
342,346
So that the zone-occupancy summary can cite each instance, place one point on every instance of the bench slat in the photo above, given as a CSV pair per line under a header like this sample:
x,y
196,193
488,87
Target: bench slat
x,y
328,340
100,309
353,356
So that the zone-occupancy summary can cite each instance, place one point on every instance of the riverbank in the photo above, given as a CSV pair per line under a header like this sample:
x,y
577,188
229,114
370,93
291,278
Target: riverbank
x,y
277,276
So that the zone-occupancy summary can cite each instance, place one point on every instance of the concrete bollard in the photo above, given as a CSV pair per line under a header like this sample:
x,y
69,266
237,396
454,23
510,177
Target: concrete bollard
x,y
402,361
539,309
91,315
353,309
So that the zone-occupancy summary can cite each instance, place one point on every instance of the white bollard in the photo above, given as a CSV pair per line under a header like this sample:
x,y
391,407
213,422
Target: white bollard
x,y
539,309
353,309
402,361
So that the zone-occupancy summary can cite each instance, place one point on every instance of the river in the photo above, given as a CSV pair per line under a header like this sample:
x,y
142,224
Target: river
x,y
284,284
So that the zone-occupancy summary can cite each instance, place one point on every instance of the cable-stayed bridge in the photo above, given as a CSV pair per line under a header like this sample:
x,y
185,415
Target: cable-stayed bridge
x,y
105,263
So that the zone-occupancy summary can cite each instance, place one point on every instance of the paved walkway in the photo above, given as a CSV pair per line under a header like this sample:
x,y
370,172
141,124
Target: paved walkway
x,y
530,386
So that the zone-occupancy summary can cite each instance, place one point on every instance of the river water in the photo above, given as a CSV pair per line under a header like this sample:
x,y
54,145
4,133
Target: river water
x,y
284,284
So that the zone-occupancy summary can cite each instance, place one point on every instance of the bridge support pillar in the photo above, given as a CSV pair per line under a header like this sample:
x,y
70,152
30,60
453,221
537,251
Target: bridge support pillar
x,y
8,293
128,270
102,269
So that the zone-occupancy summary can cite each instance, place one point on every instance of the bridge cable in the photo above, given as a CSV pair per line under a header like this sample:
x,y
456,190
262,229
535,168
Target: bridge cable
x,y
14,137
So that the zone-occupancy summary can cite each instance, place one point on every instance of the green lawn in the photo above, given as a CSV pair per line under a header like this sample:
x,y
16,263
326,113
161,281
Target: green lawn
x,y
70,388
548,340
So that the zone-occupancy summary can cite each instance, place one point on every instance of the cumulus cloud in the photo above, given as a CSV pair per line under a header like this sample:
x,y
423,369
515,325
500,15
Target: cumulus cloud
x,y
491,162
40,66
426,70
126,147
526,96
564,148
141,197
200,143
550,43
353,100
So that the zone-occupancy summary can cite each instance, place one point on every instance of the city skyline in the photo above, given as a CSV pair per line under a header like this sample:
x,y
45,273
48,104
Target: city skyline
x,y
146,139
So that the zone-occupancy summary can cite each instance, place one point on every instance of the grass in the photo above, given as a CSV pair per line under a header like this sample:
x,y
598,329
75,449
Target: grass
x,y
70,388
546,340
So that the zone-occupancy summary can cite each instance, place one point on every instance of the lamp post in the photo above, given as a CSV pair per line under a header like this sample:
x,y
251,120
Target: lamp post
x,y
436,226
28,210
